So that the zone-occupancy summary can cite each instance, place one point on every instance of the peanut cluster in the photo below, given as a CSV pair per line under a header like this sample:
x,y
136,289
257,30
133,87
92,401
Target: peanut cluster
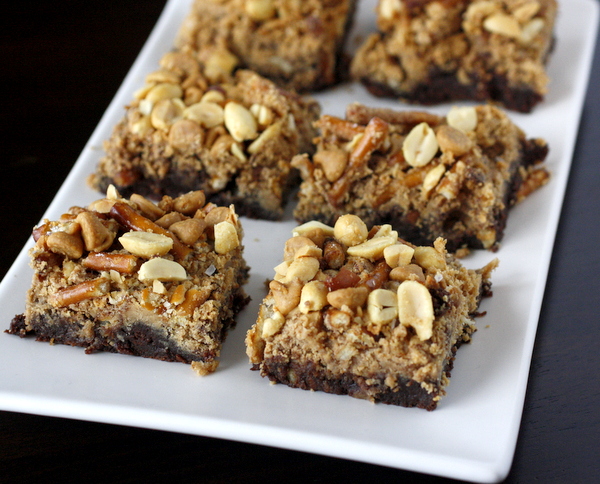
x,y
349,272
427,149
117,237
196,106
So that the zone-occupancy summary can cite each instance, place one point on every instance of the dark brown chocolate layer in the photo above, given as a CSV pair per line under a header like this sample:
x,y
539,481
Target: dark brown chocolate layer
x,y
310,376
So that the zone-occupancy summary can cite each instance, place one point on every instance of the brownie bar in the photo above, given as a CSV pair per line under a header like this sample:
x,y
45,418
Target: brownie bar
x,y
432,51
428,176
361,312
128,276
195,127
298,45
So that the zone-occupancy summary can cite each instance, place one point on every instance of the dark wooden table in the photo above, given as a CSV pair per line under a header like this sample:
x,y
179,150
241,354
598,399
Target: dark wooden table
x,y
62,62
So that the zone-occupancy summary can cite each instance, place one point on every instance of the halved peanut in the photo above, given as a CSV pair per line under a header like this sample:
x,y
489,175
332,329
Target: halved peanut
x,y
415,308
333,162
161,269
189,202
429,258
149,209
271,326
420,145
463,118
226,237
398,255
286,297
206,114
409,272
502,24
350,297
453,140
313,297
146,244
432,178
304,268
310,227
240,122
295,244
373,248
382,306
260,10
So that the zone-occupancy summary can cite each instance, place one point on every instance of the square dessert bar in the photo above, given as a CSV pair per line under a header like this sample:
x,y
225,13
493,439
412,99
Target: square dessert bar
x,y
428,176
359,311
127,276
432,51
231,135
297,44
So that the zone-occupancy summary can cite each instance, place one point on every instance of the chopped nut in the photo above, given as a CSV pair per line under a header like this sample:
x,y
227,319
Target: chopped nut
x,y
240,122
297,244
287,297
350,230
382,306
260,10
389,8
69,245
264,116
149,209
502,24
185,133
429,258
220,64
415,308
531,29
333,162
432,178
169,219
313,297
453,140
409,272
420,145
205,113
238,152
268,134
373,248
337,320
146,244
188,230
272,325
166,113
310,227
189,202
161,269
226,237
96,236
398,255
462,118
304,268
350,297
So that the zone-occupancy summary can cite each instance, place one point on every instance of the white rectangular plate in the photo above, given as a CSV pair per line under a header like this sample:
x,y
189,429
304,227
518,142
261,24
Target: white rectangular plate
x,y
472,434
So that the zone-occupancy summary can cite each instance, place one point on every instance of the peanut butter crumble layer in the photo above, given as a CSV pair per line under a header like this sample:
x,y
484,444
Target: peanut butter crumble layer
x,y
197,125
429,176
296,43
359,311
129,276
433,51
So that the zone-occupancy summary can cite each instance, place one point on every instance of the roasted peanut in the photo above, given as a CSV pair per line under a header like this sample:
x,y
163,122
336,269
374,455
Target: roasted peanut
x,y
189,230
350,297
462,118
226,237
398,255
161,269
240,122
350,230
149,209
189,202
69,245
453,140
313,297
415,308
333,162
96,236
286,296
420,145
146,244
